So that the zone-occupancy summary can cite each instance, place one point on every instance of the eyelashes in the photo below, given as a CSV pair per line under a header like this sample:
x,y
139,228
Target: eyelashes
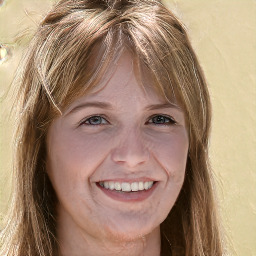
x,y
157,120
161,120
95,120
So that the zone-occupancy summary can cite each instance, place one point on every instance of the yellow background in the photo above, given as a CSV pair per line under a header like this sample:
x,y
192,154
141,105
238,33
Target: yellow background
x,y
223,33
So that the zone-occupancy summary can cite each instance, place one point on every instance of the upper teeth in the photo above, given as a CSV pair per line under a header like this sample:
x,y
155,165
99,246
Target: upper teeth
x,y
125,186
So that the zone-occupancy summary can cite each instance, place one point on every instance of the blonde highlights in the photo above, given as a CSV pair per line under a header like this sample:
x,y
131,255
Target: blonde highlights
x,y
70,53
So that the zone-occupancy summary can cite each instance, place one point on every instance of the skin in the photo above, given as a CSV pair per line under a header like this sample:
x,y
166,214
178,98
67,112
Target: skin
x,y
127,143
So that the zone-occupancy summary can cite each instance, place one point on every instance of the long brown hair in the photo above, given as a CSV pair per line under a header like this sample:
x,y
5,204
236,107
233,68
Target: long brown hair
x,y
69,54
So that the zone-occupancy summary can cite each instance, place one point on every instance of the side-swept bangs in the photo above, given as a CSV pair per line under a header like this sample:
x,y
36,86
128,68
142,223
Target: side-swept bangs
x,y
77,48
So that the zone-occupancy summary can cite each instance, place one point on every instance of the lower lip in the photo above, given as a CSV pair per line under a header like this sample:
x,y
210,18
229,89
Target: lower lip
x,y
128,196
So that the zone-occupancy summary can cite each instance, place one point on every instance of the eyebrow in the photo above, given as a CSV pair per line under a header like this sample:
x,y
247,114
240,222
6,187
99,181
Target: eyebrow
x,y
105,105
96,104
162,105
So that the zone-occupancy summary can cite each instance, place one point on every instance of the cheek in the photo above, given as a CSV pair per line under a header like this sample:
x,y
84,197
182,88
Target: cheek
x,y
170,151
75,155
171,155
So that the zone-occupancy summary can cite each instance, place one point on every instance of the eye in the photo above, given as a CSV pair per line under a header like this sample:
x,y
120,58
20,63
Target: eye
x,y
162,120
94,120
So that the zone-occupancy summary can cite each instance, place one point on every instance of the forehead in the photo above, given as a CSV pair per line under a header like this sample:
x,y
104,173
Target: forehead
x,y
113,74
121,85
122,75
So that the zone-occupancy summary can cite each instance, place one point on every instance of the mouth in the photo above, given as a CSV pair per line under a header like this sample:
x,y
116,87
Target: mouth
x,y
127,191
126,186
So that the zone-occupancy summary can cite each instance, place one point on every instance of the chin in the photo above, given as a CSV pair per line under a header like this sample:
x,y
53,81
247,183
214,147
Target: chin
x,y
126,233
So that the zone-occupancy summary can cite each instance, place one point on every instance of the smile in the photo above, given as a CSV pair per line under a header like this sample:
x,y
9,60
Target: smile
x,y
126,186
134,191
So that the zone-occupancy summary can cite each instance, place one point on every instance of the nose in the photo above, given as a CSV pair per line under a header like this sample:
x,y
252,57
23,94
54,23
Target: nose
x,y
130,150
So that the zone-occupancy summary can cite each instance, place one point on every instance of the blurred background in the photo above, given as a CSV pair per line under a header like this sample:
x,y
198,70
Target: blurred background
x,y
223,34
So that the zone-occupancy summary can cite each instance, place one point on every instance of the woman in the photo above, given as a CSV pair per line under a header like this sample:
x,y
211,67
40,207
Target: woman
x,y
112,137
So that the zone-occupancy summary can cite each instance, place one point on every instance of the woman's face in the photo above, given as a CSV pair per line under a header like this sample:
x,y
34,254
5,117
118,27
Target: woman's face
x,y
117,158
